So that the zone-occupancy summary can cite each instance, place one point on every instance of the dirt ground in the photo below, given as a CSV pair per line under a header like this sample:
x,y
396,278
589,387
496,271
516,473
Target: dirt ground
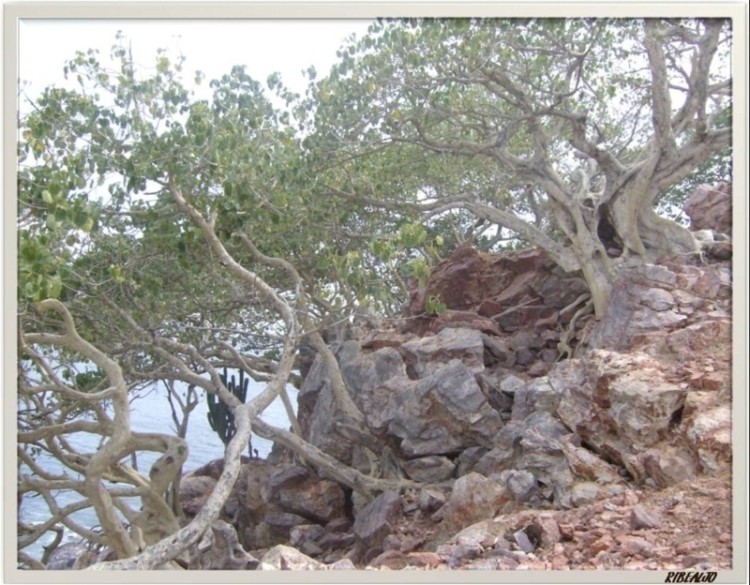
x,y
686,526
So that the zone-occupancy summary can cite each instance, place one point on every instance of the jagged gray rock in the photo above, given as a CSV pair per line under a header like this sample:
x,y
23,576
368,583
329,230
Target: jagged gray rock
x,y
375,521
426,355
644,401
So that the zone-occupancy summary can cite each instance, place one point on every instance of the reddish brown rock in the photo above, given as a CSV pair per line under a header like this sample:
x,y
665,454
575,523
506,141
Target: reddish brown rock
x,y
711,208
390,559
545,530
319,500
429,560
474,497
466,320
714,381
559,562
512,289
489,308
211,469
603,543
380,339
635,545
194,491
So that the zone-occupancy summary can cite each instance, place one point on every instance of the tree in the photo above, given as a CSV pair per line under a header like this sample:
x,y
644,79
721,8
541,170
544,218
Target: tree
x,y
567,133
154,231
167,233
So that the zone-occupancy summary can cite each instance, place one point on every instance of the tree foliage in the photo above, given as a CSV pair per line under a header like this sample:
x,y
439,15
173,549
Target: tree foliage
x,y
169,229
544,127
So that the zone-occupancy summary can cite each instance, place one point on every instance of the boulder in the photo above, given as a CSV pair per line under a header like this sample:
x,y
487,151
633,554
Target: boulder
x,y
280,524
319,500
537,395
521,484
494,461
301,535
431,469
367,371
474,498
624,405
424,356
364,374
295,489
468,459
544,530
286,558
430,500
194,491
657,299
710,208
587,465
498,351
473,541
375,521
284,477
317,412
380,339
710,437
440,414
342,565
663,465
510,290
641,517
580,494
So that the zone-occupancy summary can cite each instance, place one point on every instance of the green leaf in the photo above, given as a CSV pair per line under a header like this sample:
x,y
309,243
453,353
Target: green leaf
x,y
54,288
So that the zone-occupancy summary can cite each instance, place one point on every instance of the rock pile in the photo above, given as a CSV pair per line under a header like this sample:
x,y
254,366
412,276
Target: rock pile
x,y
529,457
539,437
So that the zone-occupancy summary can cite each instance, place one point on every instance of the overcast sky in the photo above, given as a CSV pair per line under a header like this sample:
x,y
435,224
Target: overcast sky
x,y
213,47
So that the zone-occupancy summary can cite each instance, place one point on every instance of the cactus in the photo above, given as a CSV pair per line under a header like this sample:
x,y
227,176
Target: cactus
x,y
220,417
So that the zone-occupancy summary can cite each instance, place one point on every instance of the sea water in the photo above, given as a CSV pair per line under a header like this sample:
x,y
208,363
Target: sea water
x,y
151,412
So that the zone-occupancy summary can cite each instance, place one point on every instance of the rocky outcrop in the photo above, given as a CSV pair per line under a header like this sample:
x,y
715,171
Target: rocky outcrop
x,y
655,301
542,439
538,437
495,293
